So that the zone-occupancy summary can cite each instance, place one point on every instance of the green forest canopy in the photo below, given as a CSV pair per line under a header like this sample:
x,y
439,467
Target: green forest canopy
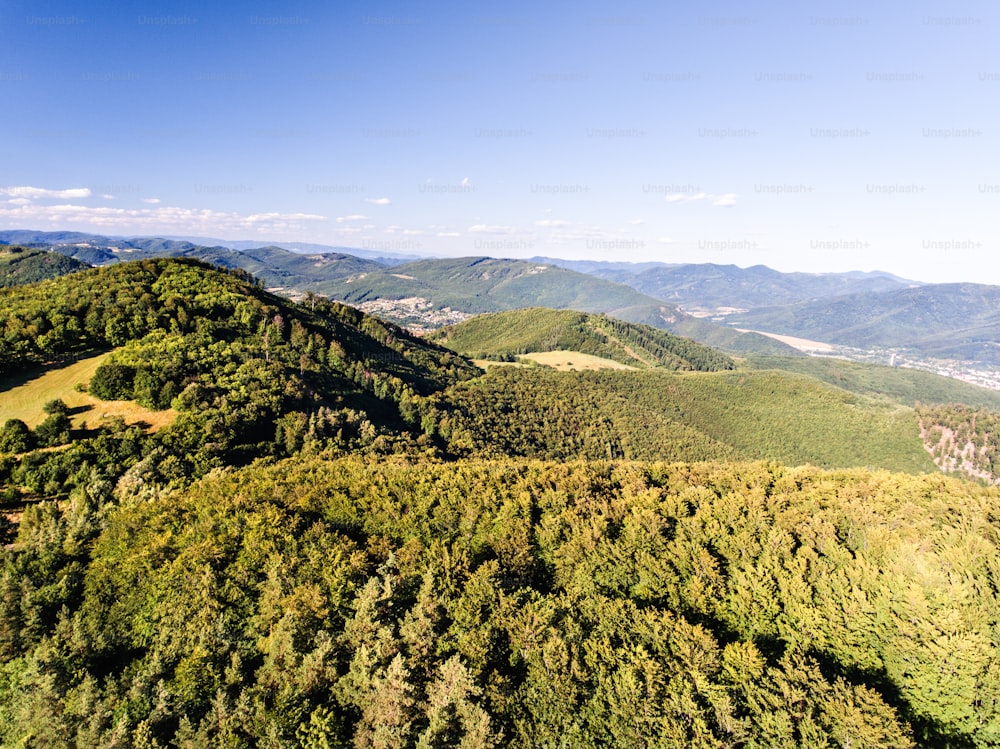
x,y
393,566
508,603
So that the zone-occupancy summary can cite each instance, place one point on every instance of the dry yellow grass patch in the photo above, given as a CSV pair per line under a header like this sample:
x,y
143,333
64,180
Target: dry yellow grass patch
x,y
574,361
20,399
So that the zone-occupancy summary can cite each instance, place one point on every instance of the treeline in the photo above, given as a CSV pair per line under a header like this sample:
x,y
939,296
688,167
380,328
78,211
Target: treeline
x,y
481,604
963,440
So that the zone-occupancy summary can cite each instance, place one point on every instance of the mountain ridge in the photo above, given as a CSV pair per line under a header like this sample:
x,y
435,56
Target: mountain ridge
x,y
958,320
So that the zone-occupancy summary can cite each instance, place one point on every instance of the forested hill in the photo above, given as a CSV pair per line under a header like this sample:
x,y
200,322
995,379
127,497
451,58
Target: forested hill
x,y
20,265
655,414
250,373
508,334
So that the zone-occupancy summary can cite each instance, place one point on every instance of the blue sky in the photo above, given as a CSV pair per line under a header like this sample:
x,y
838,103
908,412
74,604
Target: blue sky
x,y
816,137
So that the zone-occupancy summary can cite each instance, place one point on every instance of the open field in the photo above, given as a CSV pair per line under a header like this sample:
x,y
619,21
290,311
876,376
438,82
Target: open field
x,y
573,361
802,344
23,399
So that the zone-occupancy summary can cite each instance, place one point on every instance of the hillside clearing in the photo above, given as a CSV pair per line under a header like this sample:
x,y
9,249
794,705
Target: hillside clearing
x,y
573,360
802,344
25,400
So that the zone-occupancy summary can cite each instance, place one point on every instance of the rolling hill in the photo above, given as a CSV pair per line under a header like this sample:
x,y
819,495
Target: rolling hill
x,y
533,330
901,385
291,273
684,416
20,265
423,294
479,284
249,373
415,293
943,321
710,287
483,284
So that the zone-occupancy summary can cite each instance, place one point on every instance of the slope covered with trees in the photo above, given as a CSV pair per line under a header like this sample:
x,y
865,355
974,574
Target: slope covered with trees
x,y
334,603
20,265
250,374
498,283
657,415
963,440
532,330
345,538
898,384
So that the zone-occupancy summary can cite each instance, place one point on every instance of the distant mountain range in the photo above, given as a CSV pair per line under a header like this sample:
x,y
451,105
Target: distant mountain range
x,y
385,258
707,287
410,293
944,321
280,269
863,310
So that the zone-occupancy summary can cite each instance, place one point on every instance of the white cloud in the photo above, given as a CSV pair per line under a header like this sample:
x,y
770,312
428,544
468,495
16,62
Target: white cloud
x,y
448,234
257,217
108,197
465,182
19,201
491,229
352,217
413,232
157,219
378,201
552,223
724,201
151,201
666,240
637,222
41,192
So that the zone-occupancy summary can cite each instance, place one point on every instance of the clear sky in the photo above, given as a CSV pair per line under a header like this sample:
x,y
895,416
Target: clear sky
x,y
804,136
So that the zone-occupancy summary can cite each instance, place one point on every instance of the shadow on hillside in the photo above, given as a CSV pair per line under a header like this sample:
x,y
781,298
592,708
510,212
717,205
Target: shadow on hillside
x,y
32,373
17,379
926,731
